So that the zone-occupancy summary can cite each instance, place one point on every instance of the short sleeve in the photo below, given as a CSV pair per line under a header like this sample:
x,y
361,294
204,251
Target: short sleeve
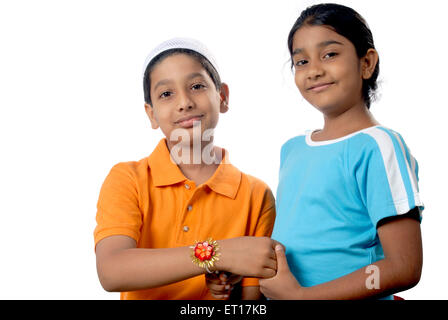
x,y
118,211
264,228
386,175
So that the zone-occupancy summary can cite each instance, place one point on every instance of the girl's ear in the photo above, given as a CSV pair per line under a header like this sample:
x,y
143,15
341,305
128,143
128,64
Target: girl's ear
x,y
224,94
150,112
368,63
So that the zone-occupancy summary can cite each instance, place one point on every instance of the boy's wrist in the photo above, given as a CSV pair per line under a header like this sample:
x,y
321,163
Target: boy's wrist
x,y
220,265
205,254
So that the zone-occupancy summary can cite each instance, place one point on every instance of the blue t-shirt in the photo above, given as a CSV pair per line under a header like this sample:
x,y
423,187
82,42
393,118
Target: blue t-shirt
x,y
332,194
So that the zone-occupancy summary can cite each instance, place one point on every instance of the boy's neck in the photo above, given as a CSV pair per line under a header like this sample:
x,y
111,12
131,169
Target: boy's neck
x,y
196,167
339,125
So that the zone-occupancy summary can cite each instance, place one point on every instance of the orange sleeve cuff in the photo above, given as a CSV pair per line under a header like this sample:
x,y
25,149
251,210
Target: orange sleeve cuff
x,y
250,282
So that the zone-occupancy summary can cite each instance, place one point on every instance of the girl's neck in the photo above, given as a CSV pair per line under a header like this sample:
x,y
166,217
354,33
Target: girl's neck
x,y
339,125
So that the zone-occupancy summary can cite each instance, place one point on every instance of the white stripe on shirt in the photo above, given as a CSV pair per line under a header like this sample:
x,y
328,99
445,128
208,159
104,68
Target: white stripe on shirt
x,y
411,173
396,184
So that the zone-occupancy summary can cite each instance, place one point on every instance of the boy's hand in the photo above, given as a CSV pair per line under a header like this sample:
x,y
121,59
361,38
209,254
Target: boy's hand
x,y
248,256
283,285
221,283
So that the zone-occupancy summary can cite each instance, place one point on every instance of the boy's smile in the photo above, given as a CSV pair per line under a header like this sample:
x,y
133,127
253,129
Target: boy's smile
x,y
189,121
184,96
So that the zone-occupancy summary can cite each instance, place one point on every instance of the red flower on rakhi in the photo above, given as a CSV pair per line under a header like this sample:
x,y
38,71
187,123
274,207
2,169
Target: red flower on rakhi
x,y
205,253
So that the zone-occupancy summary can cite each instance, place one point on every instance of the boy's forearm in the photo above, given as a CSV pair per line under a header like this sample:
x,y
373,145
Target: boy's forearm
x,y
122,267
136,268
250,293
380,279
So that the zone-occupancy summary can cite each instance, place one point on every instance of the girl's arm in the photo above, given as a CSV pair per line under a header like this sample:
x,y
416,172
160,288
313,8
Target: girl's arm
x,y
398,271
123,267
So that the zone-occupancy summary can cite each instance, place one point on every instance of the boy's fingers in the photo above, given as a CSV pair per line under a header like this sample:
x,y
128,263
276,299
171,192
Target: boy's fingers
x,y
216,282
223,277
234,279
220,296
271,264
219,288
210,276
220,291
268,273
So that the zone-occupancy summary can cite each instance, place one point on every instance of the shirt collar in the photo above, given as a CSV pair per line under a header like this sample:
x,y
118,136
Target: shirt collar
x,y
226,179
163,169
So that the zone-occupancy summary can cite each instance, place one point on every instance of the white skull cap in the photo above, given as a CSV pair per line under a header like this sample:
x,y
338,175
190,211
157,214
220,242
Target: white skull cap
x,y
181,43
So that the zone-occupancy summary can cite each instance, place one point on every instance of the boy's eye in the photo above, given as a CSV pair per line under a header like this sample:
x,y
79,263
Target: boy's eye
x,y
165,94
197,86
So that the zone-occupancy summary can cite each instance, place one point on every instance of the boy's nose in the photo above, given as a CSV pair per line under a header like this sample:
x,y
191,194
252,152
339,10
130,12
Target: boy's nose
x,y
184,102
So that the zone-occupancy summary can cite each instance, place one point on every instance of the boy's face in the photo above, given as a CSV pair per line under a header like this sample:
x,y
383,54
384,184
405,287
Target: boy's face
x,y
328,72
184,96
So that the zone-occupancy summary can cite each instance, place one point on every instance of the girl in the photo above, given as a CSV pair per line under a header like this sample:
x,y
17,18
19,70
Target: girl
x,y
348,205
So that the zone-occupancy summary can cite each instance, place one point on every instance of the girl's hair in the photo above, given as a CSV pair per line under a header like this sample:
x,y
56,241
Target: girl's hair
x,y
211,71
349,24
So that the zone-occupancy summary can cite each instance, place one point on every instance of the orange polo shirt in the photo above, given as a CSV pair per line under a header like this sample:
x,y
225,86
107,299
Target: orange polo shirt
x,y
152,202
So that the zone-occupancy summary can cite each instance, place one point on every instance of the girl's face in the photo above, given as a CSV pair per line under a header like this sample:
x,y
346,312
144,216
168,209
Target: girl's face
x,y
184,96
328,72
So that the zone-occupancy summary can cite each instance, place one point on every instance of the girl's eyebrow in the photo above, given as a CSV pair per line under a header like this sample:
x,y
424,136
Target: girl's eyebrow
x,y
319,45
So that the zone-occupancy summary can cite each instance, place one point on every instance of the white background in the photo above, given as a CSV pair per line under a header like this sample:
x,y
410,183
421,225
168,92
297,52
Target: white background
x,y
71,106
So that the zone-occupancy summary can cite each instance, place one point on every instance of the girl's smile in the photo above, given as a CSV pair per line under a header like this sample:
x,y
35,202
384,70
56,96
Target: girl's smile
x,y
328,72
320,87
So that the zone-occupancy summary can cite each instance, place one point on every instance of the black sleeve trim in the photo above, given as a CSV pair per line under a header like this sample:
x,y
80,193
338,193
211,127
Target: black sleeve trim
x,y
414,213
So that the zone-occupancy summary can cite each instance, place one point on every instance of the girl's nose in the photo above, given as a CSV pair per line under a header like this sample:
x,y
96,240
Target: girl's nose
x,y
315,71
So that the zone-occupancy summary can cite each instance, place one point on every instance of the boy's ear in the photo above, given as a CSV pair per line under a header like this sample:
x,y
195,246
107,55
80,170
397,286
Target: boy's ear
x,y
368,63
224,95
150,112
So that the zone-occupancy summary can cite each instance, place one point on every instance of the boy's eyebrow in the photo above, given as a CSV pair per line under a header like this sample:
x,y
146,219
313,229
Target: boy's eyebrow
x,y
161,83
320,45
189,77
194,75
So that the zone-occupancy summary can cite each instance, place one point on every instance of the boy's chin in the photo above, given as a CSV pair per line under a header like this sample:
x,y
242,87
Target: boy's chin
x,y
192,138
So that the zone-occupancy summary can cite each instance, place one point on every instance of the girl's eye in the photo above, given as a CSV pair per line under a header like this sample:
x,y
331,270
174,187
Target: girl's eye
x,y
330,55
300,63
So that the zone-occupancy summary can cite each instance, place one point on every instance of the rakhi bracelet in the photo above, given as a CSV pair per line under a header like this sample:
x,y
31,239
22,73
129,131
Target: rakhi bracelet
x,y
205,254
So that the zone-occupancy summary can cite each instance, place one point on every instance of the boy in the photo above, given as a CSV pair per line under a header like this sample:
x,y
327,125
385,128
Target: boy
x,y
151,212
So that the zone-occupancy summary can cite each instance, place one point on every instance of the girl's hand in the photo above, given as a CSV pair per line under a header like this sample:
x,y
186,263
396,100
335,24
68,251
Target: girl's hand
x,y
248,256
283,285
221,283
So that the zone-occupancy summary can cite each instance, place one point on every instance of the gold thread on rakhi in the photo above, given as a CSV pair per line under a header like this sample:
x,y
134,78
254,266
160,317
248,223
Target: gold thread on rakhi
x,y
205,253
